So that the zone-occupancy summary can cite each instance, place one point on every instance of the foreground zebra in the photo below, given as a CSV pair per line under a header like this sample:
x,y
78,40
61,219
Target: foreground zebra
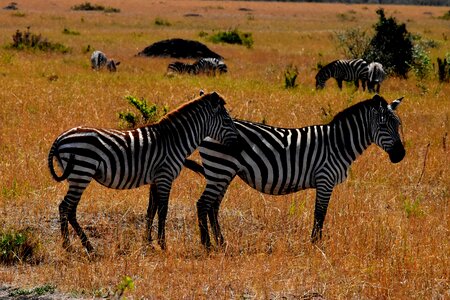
x,y
99,60
153,154
208,66
376,75
281,161
344,70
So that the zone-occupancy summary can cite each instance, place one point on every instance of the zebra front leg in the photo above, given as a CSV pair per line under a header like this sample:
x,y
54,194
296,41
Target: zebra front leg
x,y
151,211
323,195
163,191
339,83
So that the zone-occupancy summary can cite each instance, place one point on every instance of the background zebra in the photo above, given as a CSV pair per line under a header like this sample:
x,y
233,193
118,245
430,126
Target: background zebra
x,y
280,161
344,70
376,75
209,66
179,67
99,60
153,154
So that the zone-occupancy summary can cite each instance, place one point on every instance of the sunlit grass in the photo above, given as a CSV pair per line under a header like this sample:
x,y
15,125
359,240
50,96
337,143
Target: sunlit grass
x,y
386,232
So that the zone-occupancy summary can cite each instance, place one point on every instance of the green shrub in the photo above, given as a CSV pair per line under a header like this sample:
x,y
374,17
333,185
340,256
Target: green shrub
x,y
446,16
162,22
37,291
147,113
391,46
19,246
290,75
353,42
87,6
233,37
28,40
444,68
421,64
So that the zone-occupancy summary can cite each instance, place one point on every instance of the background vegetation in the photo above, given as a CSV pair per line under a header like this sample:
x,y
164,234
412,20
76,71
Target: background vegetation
x,y
387,229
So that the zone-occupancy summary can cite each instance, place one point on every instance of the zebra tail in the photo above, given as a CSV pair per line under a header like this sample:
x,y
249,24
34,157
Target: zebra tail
x,y
67,170
194,166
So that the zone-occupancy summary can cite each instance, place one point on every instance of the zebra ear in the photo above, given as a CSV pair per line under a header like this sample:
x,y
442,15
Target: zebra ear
x,y
395,103
202,92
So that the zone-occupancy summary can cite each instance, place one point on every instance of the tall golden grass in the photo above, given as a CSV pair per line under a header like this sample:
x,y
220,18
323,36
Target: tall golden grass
x,y
387,228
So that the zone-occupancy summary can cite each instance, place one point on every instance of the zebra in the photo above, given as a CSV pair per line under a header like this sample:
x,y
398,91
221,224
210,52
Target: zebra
x,y
209,66
152,154
180,67
99,60
280,161
343,70
376,75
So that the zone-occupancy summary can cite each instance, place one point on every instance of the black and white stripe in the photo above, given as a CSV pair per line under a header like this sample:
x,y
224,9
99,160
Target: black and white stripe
x,y
209,66
99,60
343,70
153,154
376,76
180,68
280,161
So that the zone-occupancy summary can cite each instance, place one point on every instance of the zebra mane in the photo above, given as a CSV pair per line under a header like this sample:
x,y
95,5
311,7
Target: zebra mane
x,y
375,102
213,99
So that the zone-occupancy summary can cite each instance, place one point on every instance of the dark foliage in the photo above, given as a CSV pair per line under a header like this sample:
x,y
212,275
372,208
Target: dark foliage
x,y
87,6
443,70
179,48
391,46
28,40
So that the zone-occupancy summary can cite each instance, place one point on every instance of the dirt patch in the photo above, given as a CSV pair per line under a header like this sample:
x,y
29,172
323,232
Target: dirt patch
x,y
179,48
39,293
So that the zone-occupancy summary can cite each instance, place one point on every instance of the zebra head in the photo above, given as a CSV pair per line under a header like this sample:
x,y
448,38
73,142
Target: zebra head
x,y
385,128
221,128
112,65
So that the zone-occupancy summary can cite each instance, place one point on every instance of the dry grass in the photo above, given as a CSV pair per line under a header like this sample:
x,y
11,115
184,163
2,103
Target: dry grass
x,y
376,246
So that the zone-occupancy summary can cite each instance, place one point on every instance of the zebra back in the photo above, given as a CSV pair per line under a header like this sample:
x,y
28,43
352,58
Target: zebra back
x,y
343,70
98,60
209,66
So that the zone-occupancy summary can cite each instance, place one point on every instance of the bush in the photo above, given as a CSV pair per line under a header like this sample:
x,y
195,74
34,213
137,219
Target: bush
x,y
421,64
290,75
89,7
391,46
233,37
148,113
28,40
18,246
444,68
353,42
446,16
162,22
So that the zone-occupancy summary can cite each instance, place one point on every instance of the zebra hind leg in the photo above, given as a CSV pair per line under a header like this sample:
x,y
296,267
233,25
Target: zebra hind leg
x,y
202,215
151,211
73,221
213,215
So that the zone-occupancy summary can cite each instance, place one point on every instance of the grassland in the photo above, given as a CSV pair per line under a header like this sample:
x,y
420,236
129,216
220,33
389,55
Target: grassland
x,y
387,228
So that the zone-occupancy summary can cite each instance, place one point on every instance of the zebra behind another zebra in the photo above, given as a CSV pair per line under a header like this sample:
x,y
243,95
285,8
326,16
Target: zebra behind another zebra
x,y
376,75
152,154
281,161
99,60
343,70
208,66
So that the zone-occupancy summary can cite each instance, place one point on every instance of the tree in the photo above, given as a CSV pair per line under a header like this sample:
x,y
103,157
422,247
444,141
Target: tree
x,y
391,46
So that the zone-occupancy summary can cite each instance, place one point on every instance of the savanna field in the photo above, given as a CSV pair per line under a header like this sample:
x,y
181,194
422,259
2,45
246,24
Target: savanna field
x,y
386,234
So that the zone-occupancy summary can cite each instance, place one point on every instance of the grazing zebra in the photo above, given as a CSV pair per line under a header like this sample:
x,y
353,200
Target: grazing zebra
x,y
179,67
209,66
281,161
99,60
343,70
153,154
376,75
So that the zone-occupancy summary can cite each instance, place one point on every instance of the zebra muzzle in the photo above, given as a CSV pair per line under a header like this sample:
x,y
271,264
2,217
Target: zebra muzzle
x,y
397,152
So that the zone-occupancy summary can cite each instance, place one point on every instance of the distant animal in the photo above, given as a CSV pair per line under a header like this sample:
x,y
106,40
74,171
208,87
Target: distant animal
x,y
343,70
99,60
280,161
180,68
152,154
375,77
209,66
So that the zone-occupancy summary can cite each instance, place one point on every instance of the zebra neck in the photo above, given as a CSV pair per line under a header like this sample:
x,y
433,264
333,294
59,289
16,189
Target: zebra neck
x,y
351,136
182,133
